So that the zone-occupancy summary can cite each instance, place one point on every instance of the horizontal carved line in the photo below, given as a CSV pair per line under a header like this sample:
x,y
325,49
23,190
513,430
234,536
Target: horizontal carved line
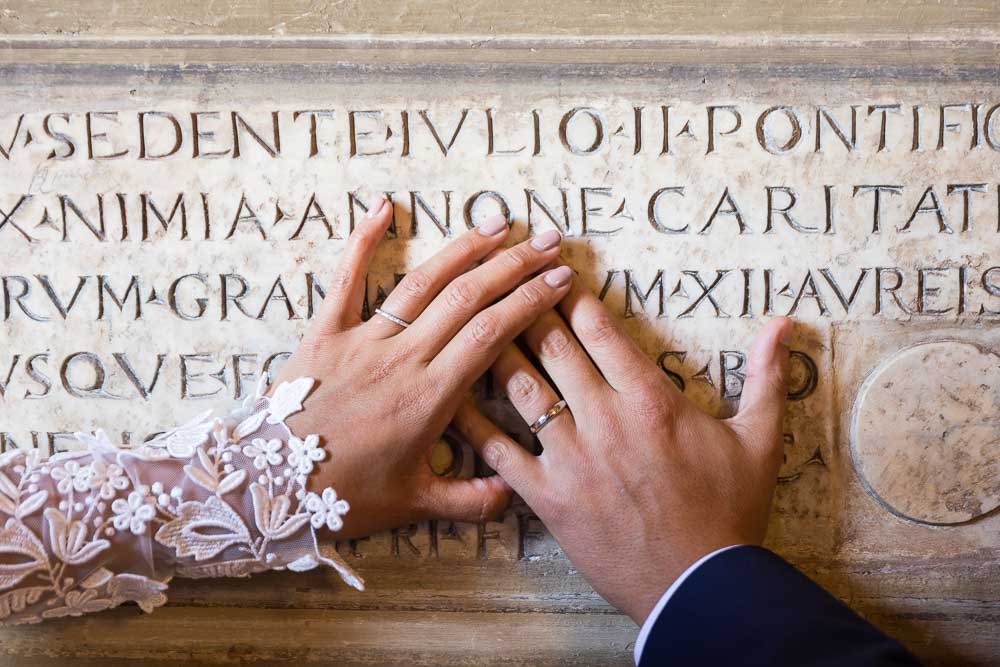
x,y
973,49
983,40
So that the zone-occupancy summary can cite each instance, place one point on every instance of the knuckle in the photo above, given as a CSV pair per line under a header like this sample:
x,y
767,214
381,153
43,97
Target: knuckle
x,y
484,330
654,407
492,507
363,238
359,237
518,258
466,245
532,296
416,284
523,388
600,330
555,345
460,295
340,281
366,235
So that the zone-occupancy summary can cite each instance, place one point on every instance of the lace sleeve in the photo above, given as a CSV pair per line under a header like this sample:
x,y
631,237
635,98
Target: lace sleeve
x,y
86,531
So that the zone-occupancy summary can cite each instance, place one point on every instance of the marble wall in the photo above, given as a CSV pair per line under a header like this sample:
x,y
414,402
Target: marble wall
x,y
166,231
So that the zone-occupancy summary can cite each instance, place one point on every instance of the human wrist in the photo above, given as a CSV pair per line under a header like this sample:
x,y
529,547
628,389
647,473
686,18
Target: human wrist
x,y
666,572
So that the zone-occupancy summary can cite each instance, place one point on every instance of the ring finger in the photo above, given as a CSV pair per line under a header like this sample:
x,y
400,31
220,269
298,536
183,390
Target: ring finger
x,y
419,287
531,394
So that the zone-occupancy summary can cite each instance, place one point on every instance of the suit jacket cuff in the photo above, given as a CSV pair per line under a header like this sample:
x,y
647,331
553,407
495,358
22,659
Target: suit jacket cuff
x,y
647,626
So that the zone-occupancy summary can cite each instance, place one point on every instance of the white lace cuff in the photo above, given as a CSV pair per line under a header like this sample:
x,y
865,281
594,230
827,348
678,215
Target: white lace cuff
x,y
86,531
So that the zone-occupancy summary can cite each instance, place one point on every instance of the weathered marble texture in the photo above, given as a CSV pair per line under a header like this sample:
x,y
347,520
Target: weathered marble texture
x,y
841,510
930,451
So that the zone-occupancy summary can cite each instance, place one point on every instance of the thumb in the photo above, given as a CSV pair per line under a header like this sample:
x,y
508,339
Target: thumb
x,y
762,404
513,463
475,500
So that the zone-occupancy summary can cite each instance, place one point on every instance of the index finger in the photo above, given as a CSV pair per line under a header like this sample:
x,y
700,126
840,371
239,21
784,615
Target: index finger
x,y
341,307
419,287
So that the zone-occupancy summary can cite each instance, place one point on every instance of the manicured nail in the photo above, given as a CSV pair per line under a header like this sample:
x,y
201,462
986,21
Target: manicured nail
x,y
549,239
558,277
375,206
492,225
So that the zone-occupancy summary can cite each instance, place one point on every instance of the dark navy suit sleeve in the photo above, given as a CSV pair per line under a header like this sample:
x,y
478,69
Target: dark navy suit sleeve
x,y
748,606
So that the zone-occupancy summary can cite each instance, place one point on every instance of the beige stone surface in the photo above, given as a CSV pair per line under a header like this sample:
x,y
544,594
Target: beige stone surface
x,y
752,167
926,437
479,17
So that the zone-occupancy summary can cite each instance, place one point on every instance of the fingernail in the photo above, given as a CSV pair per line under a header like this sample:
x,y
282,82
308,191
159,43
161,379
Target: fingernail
x,y
492,454
786,336
492,225
549,239
558,277
375,206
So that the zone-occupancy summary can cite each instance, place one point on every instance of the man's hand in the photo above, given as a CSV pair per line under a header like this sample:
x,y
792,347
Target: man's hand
x,y
635,482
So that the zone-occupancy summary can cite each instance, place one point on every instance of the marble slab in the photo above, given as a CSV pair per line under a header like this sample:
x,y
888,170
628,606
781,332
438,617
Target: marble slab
x,y
166,233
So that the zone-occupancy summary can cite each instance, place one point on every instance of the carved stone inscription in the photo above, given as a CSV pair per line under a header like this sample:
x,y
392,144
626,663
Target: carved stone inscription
x,y
160,249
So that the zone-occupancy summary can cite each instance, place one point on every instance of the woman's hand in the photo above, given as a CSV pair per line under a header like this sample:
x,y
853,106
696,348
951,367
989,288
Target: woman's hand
x,y
386,393
635,482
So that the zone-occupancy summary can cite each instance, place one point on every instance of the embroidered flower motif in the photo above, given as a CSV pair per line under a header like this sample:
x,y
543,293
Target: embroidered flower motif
x,y
7,458
22,553
181,442
204,529
78,603
97,578
264,453
187,504
32,460
327,509
150,451
9,495
132,514
98,441
287,400
305,453
71,475
258,392
271,514
108,479
69,539
249,425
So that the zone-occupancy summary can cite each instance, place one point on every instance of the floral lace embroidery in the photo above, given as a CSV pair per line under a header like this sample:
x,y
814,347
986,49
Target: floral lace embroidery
x,y
86,531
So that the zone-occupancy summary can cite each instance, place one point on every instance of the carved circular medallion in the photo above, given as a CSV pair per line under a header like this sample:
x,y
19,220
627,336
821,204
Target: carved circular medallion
x,y
926,432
